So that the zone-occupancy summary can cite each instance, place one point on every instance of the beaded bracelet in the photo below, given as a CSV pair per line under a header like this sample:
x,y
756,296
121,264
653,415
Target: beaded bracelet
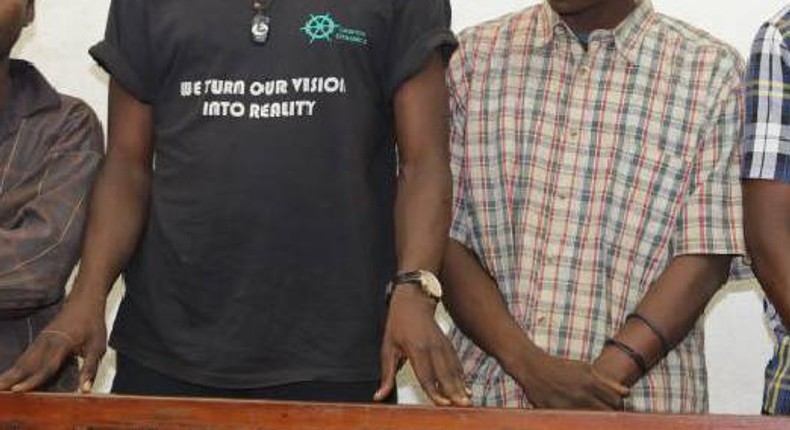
x,y
636,357
666,346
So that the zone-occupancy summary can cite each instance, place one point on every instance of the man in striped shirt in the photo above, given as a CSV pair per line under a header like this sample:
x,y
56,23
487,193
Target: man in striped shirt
x,y
766,174
597,205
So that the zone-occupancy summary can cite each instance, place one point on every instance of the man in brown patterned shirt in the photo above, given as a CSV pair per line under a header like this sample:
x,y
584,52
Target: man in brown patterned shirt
x,y
50,149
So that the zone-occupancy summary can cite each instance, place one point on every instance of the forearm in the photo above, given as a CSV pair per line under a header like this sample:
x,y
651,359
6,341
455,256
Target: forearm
x,y
422,207
117,216
119,202
772,267
422,221
422,215
474,301
672,305
767,237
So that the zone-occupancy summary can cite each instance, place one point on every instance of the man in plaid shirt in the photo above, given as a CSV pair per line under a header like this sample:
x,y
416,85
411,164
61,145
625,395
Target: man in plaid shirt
x,y
766,185
595,152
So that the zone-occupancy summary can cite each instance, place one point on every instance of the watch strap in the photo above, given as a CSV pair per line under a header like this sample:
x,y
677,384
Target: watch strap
x,y
414,278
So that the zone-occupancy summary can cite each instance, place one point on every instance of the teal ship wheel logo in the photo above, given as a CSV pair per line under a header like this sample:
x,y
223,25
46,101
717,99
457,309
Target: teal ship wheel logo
x,y
320,27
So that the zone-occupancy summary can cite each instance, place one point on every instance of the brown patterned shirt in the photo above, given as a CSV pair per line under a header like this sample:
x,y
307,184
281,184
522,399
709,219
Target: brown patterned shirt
x,y
50,149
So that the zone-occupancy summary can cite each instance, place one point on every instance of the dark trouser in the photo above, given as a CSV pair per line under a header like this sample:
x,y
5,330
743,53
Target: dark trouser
x,y
16,334
132,378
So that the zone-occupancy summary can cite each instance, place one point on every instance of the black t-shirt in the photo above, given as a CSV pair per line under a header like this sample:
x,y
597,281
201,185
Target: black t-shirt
x,y
270,235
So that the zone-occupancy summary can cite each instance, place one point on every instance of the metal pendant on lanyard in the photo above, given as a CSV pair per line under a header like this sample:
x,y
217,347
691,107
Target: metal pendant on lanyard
x,y
261,22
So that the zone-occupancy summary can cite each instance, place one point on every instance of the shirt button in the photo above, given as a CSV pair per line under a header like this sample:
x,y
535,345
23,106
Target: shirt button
x,y
552,260
574,134
583,70
541,319
562,194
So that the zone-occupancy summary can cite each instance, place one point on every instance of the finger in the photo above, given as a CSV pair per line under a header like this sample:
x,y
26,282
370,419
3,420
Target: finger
x,y
390,361
35,379
613,385
450,376
609,391
11,377
40,363
426,376
90,366
610,399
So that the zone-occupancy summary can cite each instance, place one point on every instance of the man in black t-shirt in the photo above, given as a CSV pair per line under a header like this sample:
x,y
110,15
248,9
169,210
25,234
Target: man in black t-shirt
x,y
257,250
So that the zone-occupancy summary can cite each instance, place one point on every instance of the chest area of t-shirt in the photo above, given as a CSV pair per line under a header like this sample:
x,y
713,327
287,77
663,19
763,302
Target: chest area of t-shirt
x,y
299,37
314,55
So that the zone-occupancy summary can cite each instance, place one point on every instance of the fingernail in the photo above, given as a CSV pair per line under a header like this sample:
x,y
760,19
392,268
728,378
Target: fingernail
x,y
86,387
468,391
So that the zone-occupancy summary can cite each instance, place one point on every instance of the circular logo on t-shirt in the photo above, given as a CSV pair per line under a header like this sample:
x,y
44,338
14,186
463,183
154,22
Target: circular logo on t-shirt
x,y
326,28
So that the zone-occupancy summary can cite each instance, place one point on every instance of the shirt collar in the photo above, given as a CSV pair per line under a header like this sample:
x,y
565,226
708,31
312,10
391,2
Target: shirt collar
x,y
30,94
628,35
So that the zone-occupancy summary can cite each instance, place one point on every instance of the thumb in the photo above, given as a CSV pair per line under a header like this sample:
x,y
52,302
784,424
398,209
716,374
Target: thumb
x,y
90,366
389,369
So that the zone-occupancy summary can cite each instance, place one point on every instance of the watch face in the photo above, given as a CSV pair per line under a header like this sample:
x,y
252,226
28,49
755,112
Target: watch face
x,y
431,284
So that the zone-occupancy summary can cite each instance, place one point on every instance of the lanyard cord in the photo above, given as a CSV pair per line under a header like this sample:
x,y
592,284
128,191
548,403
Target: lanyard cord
x,y
260,6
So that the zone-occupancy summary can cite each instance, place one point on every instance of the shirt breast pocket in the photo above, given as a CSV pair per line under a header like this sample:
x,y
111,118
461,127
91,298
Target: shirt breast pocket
x,y
646,181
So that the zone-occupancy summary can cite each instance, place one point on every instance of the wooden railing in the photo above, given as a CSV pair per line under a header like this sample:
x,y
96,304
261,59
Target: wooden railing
x,y
26,412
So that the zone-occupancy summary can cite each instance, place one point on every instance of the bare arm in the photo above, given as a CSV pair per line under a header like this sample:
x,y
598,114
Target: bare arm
x,y
707,236
673,304
422,219
117,215
119,207
422,212
767,213
478,308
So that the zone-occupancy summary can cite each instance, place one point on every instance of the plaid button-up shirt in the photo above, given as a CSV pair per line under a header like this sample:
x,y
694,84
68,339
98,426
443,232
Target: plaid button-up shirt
x,y
579,176
766,147
766,155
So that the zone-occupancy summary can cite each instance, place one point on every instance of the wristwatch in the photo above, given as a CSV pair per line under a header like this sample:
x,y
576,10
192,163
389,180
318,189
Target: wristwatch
x,y
427,281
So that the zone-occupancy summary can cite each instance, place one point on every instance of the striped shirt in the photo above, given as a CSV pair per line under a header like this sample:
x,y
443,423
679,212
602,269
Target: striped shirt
x,y
766,155
579,175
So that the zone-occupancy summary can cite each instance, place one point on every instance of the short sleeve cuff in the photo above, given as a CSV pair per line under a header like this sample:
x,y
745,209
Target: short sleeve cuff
x,y
724,239
419,54
739,268
766,166
116,65
700,247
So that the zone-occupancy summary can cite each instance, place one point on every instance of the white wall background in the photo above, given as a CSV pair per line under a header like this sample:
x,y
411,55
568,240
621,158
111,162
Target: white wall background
x,y
738,342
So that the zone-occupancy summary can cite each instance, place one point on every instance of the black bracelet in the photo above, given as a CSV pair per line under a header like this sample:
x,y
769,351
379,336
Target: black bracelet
x,y
636,357
665,345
